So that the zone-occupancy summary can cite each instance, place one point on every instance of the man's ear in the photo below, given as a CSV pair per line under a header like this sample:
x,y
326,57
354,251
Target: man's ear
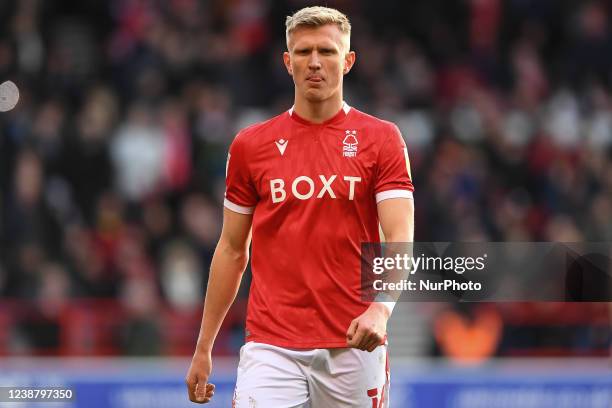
x,y
287,61
349,61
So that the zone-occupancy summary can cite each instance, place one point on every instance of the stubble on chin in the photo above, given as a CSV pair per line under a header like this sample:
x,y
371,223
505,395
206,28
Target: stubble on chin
x,y
314,95
311,97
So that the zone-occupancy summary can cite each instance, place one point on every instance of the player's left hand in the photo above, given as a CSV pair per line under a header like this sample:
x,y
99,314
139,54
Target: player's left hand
x,y
369,329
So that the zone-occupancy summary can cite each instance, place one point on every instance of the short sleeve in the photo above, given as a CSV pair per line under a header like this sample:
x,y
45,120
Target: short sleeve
x,y
240,193
393,179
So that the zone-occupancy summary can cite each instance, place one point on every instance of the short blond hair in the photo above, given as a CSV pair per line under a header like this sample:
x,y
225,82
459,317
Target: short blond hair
x,y
318,16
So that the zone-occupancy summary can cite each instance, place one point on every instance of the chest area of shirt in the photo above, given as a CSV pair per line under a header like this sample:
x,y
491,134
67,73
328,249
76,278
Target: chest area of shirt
x,y
316,165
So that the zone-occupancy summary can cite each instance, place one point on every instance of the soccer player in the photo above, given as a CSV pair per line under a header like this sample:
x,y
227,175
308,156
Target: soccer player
x,y
305,189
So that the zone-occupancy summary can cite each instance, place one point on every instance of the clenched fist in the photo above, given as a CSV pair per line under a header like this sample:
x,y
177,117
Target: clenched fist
x,y
369,329
198,388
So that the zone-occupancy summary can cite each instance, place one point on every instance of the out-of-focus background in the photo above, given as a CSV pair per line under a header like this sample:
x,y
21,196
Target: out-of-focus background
x,y
112,178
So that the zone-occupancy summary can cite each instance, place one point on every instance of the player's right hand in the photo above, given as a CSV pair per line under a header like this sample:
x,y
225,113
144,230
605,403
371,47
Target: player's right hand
x,y
198,388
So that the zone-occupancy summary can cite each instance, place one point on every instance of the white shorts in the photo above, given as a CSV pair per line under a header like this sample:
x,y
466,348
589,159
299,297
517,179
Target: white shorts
x,y
277,377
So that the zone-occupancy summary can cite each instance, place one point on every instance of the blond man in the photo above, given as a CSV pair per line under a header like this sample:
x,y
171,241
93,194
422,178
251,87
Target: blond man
x,y
305,189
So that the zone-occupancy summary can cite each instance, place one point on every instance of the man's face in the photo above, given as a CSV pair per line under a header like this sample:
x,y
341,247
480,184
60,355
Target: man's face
x,y
317,60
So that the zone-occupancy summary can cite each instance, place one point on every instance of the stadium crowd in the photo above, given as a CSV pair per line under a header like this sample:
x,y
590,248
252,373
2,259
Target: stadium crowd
x,y
112,163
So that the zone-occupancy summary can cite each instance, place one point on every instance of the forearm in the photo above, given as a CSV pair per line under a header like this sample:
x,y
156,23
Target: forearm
x,y
397,223
226,271
400,242
404,235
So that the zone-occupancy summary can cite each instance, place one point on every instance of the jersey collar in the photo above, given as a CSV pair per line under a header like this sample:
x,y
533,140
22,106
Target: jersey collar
x,y
342,113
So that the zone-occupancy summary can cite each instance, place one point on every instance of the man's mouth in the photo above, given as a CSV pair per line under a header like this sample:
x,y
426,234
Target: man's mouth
x,y
314,78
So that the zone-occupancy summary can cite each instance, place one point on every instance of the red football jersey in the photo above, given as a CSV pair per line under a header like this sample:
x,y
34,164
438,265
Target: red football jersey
x,y
313,190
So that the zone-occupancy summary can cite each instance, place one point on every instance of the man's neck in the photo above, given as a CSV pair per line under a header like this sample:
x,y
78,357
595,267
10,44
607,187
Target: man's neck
x,y
318,112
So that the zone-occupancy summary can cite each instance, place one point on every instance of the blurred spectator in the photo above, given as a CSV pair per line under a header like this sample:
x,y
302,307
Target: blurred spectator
x,y
30,50
137,151
201,220
141,332
87,164
41,326
177,148
86,264
181,276
28,218
591,55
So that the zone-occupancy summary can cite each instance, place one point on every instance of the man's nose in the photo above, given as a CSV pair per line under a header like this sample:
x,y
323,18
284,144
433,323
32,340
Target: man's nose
x,y
314,62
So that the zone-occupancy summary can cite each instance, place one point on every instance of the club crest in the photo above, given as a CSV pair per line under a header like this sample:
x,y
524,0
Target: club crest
x,y
349,144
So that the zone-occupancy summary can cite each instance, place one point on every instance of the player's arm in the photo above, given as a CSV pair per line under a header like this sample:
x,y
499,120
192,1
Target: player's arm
x,y
396,217
228,264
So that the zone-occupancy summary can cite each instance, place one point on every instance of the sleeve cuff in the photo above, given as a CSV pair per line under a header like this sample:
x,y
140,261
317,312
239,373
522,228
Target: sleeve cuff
x,y
385,195
389,306
386,300
237,208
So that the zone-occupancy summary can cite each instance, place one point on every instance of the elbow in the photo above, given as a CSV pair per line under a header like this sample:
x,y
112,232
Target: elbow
x,y
237,255
241,257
